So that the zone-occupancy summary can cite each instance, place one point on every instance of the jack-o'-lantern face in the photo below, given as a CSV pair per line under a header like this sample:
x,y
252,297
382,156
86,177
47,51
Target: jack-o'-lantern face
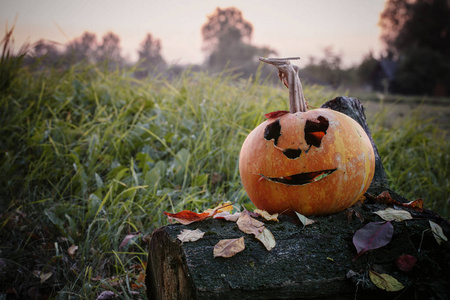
x,y
315,162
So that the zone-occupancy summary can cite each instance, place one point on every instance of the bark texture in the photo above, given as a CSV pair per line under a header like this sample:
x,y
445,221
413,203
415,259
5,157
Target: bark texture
x,y
312,262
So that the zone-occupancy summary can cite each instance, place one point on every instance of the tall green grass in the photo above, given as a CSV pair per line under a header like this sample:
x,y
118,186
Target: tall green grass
x,y
88,157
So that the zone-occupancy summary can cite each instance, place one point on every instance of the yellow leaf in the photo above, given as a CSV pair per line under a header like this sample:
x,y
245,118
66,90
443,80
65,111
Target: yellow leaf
x,y
266,215
385,282
222,207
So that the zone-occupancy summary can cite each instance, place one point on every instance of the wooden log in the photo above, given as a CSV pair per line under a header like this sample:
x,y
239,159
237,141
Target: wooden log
x,y
312,262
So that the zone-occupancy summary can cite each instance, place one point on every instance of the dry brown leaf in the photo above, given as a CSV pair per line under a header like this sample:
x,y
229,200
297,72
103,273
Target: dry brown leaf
x,y
351,212
229,247
187,235
266,237
397,215
227,216
72,250
249,225
385,282
128,238
266,215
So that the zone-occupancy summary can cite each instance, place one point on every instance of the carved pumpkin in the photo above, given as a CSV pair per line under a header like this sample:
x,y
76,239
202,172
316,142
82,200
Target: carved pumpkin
x,y
313,162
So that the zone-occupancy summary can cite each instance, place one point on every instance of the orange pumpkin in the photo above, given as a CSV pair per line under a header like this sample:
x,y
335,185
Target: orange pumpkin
x,y
313,162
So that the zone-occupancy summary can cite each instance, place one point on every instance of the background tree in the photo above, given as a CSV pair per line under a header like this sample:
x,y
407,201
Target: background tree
x,y
82,49
327,70
411,29
150,56
227,40
108,51
45,53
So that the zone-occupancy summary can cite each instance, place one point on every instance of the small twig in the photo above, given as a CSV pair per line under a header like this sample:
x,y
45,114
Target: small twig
x,y
421,240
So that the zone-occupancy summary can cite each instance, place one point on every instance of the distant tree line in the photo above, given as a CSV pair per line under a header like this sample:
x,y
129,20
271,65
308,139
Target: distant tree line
x,y
107,52
416,61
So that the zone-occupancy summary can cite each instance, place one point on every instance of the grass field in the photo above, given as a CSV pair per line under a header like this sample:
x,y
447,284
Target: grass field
x,y
89,158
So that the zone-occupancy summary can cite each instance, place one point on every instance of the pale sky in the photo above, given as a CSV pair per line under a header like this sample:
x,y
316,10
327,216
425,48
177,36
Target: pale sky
x,y
292,27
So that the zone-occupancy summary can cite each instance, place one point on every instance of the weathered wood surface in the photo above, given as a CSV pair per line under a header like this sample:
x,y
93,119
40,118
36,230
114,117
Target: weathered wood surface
x,y
312,262
307,262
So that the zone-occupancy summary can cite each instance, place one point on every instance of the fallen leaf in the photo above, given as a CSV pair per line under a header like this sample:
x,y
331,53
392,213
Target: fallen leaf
x,y
351,274
45,276
187,235
386,198
351,212
249,225
416,204
141,278
438,233
72,250
96,278
276,114
305,221
136,286
385,282
186,217
128,238
397,215
266,237
405,262
106,295
227,216
222,207
266,215
372,236
229,247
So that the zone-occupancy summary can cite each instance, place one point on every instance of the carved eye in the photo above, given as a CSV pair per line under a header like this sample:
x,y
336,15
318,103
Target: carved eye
x,y
315,131
273,131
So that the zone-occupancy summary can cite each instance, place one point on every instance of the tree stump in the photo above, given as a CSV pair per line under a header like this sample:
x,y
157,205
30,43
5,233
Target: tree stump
x,y
308,262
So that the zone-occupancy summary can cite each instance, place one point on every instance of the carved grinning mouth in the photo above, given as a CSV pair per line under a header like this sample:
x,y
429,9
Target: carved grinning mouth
x,y
301,178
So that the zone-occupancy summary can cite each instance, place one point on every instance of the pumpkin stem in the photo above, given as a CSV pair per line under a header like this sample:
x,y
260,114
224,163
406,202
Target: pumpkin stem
x,y
288,75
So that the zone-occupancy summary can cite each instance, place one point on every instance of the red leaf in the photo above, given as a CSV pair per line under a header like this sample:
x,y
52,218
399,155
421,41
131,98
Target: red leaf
x,y
406,262
372,236
187,217
276,114
416,204
385,197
